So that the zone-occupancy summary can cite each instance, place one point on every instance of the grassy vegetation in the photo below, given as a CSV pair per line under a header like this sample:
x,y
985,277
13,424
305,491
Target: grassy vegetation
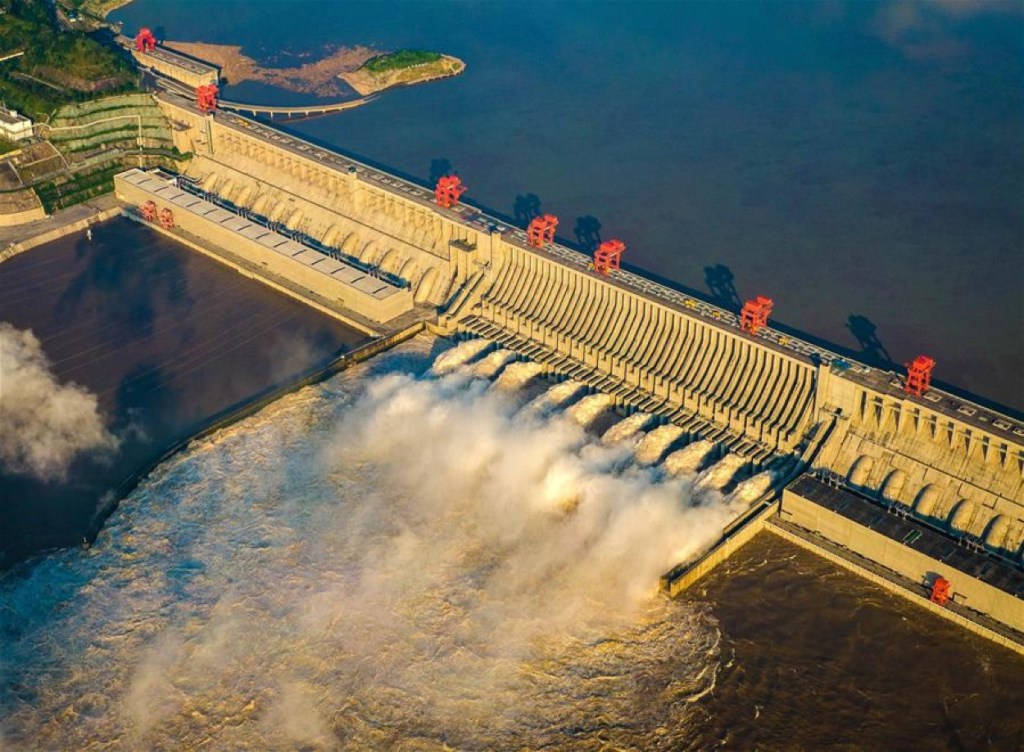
x,y
401,59
81,187
6,146
58,66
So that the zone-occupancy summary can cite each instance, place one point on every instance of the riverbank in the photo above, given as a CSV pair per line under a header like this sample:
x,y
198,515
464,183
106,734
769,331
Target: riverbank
x,y
19,238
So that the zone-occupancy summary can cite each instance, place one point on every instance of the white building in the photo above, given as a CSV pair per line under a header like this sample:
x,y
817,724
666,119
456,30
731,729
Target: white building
x,y
14,127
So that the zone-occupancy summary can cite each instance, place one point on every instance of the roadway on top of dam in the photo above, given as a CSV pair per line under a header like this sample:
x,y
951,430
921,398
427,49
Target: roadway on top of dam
x,y
880,381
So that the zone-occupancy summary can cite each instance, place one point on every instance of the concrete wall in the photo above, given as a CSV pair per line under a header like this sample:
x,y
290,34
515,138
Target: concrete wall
x,y
402,234
682,577
970,624
184,74
903,560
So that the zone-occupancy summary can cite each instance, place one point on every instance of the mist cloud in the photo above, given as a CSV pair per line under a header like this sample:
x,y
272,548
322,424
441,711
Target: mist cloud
x,y
44,424
385,561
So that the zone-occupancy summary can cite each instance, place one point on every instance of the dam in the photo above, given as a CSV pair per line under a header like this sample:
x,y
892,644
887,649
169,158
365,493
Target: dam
x,y
383,253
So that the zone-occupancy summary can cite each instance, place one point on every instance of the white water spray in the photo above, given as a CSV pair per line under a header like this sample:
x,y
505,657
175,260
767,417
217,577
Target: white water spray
x,y
462,353
589,409
627,428
492,364
654,444
752,488
388,561
517,375
686,460
718,475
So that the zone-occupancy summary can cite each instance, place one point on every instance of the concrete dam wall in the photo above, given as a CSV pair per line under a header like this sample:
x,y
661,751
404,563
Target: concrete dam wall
x,y
937,457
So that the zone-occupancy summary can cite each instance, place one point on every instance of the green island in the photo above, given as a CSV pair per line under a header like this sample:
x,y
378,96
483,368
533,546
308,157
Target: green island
x,y
401,59
402,68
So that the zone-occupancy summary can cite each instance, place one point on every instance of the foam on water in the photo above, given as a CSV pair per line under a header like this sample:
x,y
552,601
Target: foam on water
x,y
686,460
383,560
654,444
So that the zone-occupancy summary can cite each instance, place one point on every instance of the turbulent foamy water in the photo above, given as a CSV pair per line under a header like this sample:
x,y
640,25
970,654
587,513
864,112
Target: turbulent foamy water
x,y
385,560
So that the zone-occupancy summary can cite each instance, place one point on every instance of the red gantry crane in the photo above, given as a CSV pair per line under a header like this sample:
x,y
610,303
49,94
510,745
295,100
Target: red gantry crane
x,y
542,230
448,191
144,40
608,256
206,97
940,591
919,375
755,313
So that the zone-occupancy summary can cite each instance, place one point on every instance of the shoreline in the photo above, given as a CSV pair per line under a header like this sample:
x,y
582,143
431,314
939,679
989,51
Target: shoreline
x,y
17,239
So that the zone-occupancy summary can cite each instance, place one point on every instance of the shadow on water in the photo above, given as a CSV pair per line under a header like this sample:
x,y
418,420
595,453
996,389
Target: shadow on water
x,y
438,169
131,281
145,385
872,351
587,232
721,282
526,207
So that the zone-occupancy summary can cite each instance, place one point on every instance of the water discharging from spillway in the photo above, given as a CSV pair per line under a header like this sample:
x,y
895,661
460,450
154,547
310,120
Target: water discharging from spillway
x,y
718,475
752,488
492,364
554,398
459,355
655,443
385,560
686,460
627,429
517,375
590,408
